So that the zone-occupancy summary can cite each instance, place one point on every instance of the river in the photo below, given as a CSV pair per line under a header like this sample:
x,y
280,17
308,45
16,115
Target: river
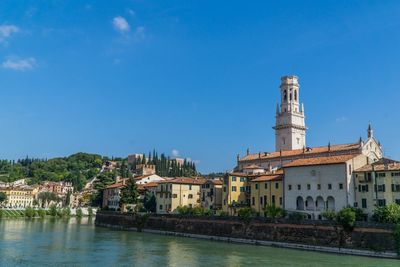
x,y
60,242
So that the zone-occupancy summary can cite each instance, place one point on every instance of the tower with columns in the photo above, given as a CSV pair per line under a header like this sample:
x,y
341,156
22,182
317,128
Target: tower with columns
x,y
290,128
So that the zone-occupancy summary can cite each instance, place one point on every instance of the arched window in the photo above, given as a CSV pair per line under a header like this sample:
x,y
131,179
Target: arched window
x,y
309,203
295,95
300,203
290,95
285,95
319,203
330,203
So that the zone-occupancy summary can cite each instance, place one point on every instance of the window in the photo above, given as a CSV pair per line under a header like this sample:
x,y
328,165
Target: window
x,y
190,187
242,189
233,179
340,186
395,173
381,174
190,206
380,188
330,186
319,186
224,201
224,188
280,201
190,196
266,185
273,200
276,185
395,187
308,187
397,201
289,187
285,95
253,201
256,186
261,200
349,169
381,202
161,207
243,179
295,95
299,187
362,188
233,188
283,140
364,203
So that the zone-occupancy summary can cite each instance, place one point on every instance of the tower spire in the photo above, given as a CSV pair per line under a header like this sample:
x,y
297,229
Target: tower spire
x,y
370,131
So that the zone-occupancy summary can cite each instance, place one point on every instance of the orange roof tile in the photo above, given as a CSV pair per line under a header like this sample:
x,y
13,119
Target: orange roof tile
x,y
185,180
265,178
320,161
307,151
383,164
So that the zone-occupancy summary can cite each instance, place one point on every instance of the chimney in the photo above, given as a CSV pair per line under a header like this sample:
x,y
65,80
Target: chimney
x,y
248,152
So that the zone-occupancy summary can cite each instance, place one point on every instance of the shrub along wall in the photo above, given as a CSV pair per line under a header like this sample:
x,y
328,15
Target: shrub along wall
x,y
317,234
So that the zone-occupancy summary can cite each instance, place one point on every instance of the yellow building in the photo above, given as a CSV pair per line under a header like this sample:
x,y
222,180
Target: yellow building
x,y
266,190
236,192
377,184
211,194
171,194
19,196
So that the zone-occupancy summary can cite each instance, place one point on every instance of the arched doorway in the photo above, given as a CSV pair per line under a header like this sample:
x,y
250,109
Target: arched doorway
x,y
300,203
309,203
319,203
330,203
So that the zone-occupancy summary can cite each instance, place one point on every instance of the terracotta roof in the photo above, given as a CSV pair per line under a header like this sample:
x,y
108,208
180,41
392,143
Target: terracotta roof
x,y
151,184
279,171
307,151
383,164
320,161
214,181
116,185
265,178
252,166
185,180
143,176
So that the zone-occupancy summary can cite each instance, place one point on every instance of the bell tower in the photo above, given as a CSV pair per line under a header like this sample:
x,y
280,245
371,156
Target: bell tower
x,y
290,129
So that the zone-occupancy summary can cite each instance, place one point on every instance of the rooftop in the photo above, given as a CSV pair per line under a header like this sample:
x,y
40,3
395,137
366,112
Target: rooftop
x,y
185,180
383,164
327,160
305,151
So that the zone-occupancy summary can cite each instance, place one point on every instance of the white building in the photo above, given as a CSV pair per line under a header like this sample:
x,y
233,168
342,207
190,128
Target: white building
x,y
150,178
314,185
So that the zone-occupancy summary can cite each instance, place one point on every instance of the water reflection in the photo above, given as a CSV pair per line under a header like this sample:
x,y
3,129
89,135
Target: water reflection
x,y
76,242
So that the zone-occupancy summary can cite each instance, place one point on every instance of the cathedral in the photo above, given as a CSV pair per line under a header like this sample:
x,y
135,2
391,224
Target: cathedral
x,y
290,136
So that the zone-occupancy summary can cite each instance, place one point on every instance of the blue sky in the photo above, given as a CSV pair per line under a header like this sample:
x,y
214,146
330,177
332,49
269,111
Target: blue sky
x,y
197,77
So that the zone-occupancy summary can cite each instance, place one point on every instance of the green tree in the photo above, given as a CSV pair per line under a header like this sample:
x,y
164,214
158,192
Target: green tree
x,y
3,197
346,218
387,214
129,194
149,202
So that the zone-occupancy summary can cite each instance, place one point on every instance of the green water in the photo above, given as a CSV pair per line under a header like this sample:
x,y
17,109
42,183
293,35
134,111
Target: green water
x,y
71,243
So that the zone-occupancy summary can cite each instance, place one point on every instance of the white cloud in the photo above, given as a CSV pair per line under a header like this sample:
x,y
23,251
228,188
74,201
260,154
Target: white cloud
x,y
120,24
341,119
6,31
19,64
175,153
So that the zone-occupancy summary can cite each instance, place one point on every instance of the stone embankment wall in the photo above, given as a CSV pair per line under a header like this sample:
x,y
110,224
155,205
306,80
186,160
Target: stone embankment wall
x,y
376,238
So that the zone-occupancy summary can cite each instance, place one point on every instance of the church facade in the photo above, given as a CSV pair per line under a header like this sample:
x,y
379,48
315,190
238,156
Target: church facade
x,y
314,179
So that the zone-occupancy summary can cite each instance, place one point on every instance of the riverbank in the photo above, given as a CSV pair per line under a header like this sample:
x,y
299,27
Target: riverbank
x,y
41,213
372,241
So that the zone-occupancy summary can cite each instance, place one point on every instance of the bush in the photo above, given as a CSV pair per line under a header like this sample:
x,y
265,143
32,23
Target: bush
x,y
346,218
297,216
41,213
198,211
53,210
183,210
387,214
66,212
222,213
79,213
329,215
30,212
245,214
271,211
